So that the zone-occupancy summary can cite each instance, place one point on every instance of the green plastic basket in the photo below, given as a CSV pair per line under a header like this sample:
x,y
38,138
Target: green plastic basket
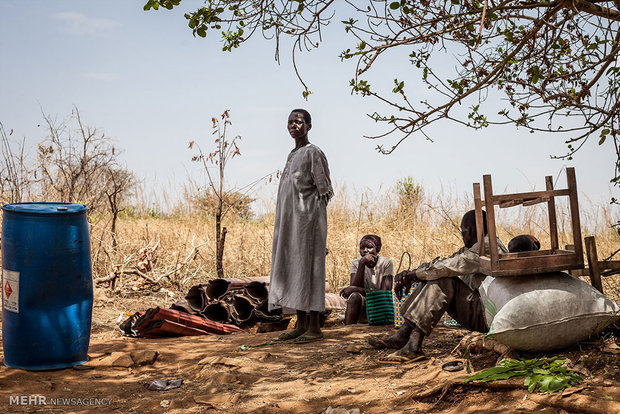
x,y
379,307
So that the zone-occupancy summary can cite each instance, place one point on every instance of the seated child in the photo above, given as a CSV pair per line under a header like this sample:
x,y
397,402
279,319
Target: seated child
x,y
370,271
523,243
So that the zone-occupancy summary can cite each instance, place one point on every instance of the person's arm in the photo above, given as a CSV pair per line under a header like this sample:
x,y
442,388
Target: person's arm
x,y
357,280
319,171
346,292
388,273
464,262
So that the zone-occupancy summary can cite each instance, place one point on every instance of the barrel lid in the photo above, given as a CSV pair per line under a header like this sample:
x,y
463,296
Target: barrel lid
x,y
45,208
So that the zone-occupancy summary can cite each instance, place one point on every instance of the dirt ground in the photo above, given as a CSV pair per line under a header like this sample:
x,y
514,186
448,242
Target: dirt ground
x,y
311,378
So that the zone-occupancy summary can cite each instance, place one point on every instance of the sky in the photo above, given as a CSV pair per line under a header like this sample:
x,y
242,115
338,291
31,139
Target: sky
x,y
146,82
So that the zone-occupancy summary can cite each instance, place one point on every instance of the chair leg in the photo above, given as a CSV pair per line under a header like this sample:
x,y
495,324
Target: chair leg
x,y
595,274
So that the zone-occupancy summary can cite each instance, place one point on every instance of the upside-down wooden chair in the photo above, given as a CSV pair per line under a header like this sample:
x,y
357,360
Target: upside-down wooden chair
x,y
534,262
597,268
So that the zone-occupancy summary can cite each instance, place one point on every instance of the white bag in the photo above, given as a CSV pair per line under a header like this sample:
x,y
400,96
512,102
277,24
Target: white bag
x,y
544,312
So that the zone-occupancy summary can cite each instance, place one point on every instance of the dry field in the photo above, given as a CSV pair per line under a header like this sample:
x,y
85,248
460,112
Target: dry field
x,y
181,246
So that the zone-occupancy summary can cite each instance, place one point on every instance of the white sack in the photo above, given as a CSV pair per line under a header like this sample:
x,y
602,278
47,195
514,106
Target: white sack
x,y
544,312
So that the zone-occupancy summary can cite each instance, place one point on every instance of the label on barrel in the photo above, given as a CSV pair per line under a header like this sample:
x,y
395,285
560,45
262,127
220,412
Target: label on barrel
x,y
10,290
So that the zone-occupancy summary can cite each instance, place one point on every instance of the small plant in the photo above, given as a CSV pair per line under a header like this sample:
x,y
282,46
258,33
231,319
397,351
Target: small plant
x,y
409,194
408,188
225,150
547,374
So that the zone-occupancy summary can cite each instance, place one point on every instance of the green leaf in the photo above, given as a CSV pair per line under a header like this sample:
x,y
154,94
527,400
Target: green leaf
x,y
507,375
544,383
488,374
550,375
533,382
558,383
399,86
604,134
394,5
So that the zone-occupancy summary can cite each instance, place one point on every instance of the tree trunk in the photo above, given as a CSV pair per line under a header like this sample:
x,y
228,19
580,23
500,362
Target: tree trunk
x,y
113,229
220,237
220,253
114,210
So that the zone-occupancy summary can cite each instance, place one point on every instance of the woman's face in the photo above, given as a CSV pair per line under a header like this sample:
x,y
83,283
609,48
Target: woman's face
x,y
297,126
367,247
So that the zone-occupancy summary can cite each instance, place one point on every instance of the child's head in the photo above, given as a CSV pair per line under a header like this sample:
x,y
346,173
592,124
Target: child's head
x,y
370,243
523,243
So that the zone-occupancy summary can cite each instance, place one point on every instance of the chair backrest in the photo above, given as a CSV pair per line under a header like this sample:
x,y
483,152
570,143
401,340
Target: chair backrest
x,y
527,263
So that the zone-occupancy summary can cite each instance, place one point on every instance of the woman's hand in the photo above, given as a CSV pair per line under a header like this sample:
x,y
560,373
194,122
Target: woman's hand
x,y
346,292
368,260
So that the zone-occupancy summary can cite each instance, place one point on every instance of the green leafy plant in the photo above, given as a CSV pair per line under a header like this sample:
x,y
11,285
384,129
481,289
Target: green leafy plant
x,y
547,374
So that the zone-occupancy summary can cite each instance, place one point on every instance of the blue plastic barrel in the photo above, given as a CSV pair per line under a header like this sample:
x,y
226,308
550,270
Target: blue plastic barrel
x,y
47,289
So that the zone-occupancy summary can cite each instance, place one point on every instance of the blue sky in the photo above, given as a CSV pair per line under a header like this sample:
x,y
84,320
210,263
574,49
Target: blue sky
x,y
146,82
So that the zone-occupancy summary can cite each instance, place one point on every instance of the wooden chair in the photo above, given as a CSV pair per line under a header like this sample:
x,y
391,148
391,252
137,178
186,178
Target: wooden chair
x,y
597,268
526,263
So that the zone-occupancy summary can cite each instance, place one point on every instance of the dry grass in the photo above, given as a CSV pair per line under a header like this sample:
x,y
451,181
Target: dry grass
x,y
427,228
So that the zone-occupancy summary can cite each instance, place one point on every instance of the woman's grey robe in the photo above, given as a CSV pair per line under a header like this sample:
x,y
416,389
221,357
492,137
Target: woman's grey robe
x,y
300,232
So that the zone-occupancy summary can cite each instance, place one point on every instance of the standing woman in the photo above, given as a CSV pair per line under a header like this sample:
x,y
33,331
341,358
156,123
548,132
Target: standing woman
x,y
300,233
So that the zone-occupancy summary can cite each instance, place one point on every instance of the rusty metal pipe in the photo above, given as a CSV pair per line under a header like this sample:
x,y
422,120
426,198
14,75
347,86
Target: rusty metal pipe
x,y
242,309
216,288
217,312
196,297
256,291
183,307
